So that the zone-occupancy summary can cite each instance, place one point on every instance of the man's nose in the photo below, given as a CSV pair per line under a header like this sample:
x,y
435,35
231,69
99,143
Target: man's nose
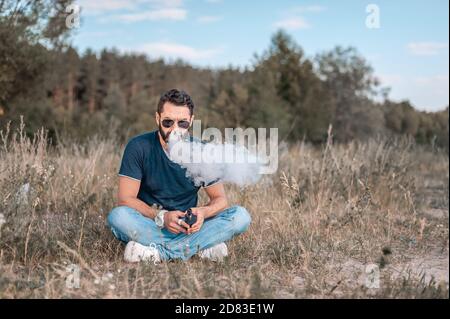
x,y
175,125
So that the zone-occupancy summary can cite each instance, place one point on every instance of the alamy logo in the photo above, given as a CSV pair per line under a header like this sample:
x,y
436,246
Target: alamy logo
x,y
373,17
372,276
73,18
236,146
73,276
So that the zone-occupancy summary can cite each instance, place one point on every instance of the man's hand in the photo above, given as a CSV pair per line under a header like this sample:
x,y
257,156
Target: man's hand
x,y
200,213
172,223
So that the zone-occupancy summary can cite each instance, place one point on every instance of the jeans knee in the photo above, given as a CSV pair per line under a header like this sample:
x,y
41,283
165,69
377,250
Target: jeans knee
x,y
241,219
118,216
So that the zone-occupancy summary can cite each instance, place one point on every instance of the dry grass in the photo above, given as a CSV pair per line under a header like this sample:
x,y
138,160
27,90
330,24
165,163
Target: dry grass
x,y
317,223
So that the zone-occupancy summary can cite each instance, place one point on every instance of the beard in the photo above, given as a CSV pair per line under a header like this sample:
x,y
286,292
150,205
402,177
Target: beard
x,y
164,136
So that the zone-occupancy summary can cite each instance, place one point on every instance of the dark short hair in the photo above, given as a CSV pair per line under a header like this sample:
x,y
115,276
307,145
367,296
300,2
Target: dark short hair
x,y
176,97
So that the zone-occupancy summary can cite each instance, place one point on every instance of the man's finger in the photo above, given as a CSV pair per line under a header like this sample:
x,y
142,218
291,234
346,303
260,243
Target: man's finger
x,y
195,227
196,224
180,214
179,228
176,230
183,224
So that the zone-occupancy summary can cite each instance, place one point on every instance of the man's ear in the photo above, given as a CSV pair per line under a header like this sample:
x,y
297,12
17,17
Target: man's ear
x,y
157,118
192,120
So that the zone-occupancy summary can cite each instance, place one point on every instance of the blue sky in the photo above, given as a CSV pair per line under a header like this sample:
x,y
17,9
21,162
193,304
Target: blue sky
x,y
409,51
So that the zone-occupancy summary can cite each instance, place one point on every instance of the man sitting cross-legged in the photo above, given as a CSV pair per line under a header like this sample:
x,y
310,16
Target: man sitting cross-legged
x,y
147,177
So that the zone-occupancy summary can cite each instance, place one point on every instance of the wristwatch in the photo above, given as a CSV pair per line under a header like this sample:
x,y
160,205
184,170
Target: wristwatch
x,y
159,218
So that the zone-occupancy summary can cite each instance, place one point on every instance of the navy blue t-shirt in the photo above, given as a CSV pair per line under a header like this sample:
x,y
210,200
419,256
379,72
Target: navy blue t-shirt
x,y
163,181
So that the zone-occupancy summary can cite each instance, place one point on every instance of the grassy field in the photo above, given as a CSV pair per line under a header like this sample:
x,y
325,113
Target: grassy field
x,y
317,223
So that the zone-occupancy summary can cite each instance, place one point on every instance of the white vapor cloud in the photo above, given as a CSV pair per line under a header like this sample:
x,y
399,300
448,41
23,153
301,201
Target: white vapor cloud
x,y
242,167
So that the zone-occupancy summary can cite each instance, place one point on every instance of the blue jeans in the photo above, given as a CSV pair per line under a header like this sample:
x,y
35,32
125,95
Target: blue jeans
x,y
128,224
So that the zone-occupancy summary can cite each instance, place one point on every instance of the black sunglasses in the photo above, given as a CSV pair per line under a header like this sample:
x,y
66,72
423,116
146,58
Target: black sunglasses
x,y
167,123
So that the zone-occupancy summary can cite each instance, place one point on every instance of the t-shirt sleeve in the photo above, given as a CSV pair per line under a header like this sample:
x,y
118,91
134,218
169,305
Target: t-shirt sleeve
x,y
132,161
217,180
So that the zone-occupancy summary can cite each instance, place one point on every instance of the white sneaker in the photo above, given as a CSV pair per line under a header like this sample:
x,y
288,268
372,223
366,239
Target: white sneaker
x,y
214,253
135,252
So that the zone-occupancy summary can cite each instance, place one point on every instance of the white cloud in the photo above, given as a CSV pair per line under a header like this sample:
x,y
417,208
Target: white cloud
x,y
134,10
165,3
431,92
213,1
390,79
426,93
100,34
437,84
292,23
312,8
152,15
208,19
427,48
293,17
174,50
102,6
